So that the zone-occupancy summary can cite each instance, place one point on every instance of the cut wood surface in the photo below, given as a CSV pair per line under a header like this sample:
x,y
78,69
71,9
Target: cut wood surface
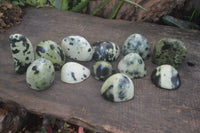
x,y
152,110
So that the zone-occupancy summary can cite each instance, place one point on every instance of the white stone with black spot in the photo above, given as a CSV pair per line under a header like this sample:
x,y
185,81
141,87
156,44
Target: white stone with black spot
x,y
132,65
136,43
22,52
40,74
77,48
73,72
166,76
118,88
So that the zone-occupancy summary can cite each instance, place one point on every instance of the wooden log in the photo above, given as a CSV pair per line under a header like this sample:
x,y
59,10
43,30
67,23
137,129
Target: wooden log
x,y
152,109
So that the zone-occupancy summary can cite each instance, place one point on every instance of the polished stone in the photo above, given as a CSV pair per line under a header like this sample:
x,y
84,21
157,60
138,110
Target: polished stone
x,y
166,77
169,51
101,70
118,88
132,65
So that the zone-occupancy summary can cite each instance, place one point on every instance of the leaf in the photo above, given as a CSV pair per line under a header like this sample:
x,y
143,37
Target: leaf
x,y
42,2
66,125
75,2
21,3
116,10
58,4
193,14
102,5
52,2
80,6
15,3
28,2
135,4
65,5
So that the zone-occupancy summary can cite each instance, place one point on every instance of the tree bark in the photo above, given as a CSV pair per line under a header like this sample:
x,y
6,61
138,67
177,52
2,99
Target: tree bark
x,y
156,9
192,4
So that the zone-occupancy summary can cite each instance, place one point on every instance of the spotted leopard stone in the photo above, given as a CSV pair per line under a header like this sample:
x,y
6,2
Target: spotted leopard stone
x,y
118,88
132,65
40,74
169,51
22,52
51,51
106,51
166,76
73,72
77,48
136,43
101,70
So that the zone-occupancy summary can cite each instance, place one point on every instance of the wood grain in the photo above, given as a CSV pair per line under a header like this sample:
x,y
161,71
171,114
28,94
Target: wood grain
x,y
152,110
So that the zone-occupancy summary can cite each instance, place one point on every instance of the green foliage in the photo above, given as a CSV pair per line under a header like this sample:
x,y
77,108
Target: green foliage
x,y
195,15
114,13
65,5
72,5
18,2
80,6
135,4
102,5
14,2
37,3
116,9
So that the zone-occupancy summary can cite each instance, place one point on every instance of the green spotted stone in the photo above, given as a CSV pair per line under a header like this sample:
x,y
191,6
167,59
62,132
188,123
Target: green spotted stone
x,y
118,88
132,65
101,70
136,43
169,51
22,52
52,51
40,74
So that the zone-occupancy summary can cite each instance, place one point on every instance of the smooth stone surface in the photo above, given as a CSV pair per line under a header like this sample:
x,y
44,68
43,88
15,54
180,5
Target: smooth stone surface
x,y
73,72
166,77
51,51
132,65
22,52
101,70
118,88
107,51
136,43
169,51
77,48
40,74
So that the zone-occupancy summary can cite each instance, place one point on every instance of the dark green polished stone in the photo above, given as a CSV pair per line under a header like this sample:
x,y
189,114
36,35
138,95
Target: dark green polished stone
x,y
169,51
101,70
